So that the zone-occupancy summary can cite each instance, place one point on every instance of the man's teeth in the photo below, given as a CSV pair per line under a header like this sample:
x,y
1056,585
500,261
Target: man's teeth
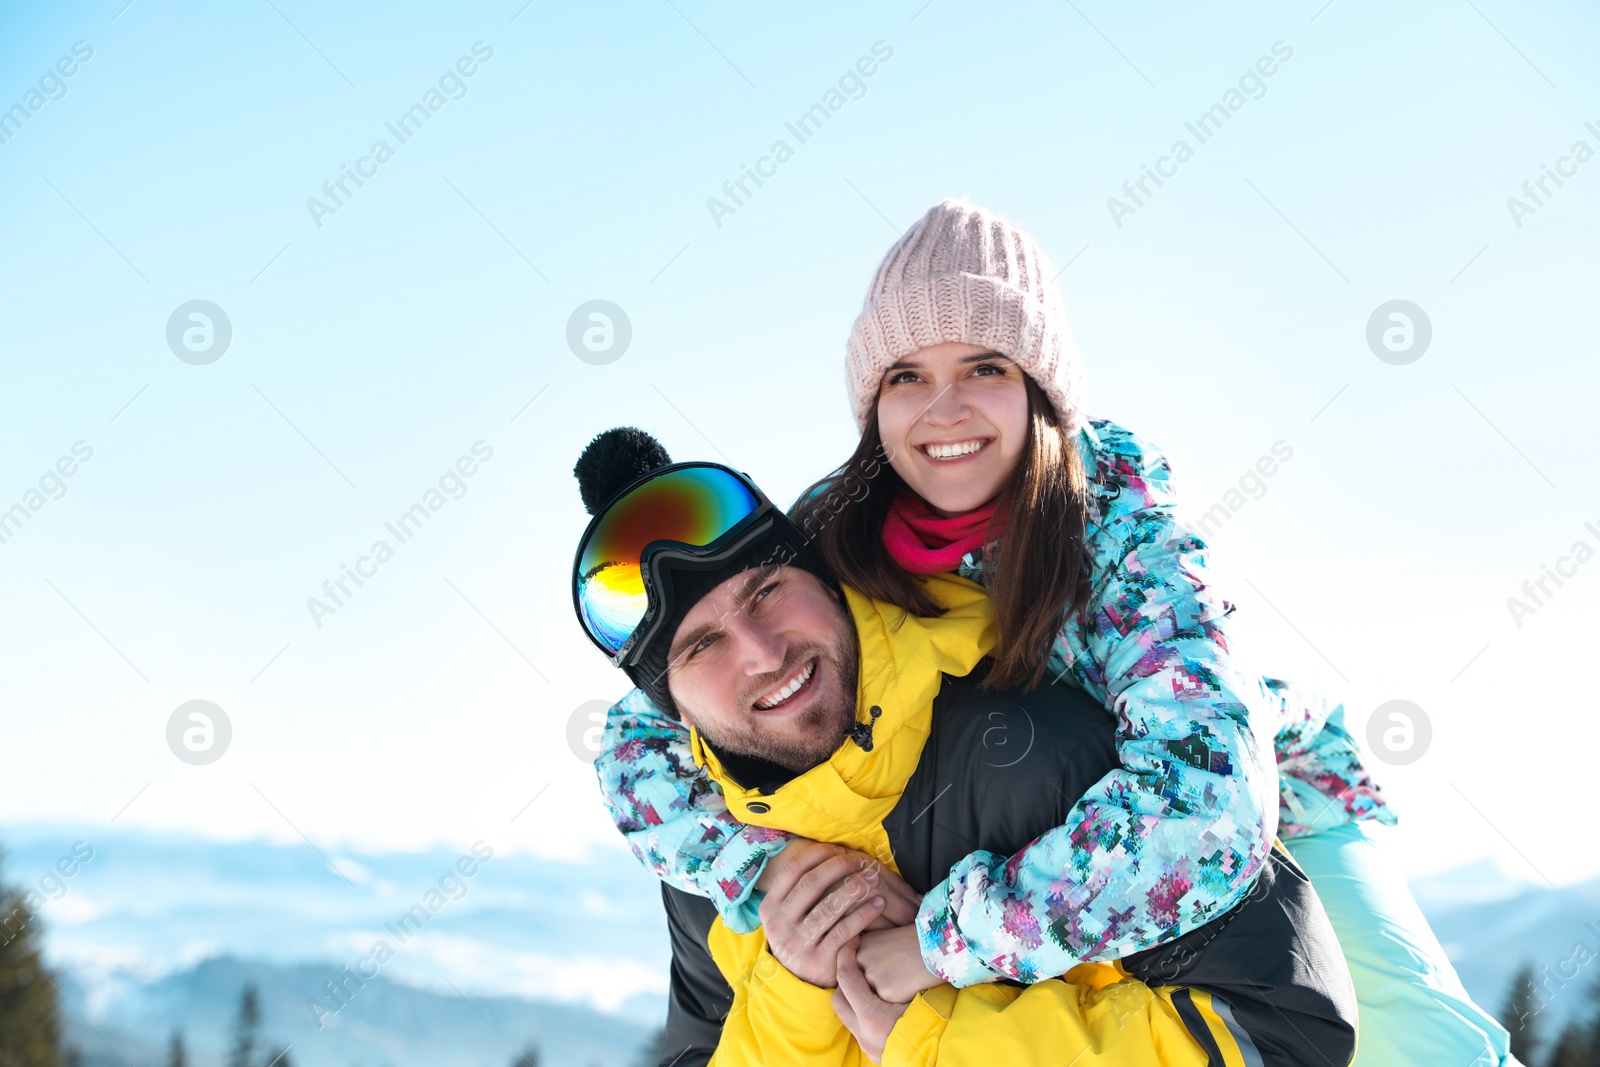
x,y
772,700
962,448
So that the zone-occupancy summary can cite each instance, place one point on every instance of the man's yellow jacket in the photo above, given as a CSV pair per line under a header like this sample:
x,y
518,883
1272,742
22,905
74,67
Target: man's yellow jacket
x,y
951,767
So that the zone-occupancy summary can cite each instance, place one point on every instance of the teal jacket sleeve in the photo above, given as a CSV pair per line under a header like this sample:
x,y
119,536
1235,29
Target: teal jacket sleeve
x,y
1175,836
673,816
1323,782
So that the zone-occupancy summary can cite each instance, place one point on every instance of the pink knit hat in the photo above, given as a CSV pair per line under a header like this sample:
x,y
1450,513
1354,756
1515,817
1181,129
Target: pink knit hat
x,y
962,273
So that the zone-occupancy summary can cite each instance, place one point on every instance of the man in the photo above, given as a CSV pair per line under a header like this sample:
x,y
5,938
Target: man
x,y
818,711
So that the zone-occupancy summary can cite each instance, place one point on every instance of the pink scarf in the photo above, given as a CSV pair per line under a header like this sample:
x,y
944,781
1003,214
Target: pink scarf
x,y
924,542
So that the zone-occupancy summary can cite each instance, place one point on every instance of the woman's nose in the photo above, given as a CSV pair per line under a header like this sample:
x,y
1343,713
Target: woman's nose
x,y
947,407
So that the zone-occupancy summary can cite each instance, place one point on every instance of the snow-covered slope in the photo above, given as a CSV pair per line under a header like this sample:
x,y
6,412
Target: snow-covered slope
x,y
158,930
382,1023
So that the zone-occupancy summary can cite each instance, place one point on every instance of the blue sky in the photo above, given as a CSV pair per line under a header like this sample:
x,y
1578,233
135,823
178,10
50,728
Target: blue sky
x,y
429,314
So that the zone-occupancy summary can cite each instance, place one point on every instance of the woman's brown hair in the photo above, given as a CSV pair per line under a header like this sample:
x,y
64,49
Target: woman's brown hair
x,y
1041,574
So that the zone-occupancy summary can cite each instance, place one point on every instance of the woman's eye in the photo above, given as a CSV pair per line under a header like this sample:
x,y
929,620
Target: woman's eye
x,y
991,368
902,378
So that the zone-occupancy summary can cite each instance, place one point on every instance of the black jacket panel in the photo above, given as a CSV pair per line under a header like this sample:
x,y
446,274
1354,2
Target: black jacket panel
x,y
699,997
1000,769
1277,966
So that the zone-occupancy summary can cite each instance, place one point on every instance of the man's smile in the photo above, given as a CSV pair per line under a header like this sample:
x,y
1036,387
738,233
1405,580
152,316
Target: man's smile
x,y
796,684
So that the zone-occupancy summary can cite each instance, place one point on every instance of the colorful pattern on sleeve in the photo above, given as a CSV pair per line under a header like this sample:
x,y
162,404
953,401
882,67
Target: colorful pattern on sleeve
x,y
673,816
1174,836
1322,782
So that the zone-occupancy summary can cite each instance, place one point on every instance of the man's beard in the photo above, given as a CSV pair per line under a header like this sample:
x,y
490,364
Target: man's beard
x,y
810,737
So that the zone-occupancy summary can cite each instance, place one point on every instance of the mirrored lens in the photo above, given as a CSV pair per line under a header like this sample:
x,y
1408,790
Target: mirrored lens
x,y
694,505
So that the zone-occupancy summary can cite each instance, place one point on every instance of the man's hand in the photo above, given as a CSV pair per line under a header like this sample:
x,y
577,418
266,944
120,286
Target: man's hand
x,y
809,915
891,960
862,1011
803,854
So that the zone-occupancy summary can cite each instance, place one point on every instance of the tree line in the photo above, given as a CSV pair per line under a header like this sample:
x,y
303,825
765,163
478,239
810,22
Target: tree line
x,y
1577,1044
31,1033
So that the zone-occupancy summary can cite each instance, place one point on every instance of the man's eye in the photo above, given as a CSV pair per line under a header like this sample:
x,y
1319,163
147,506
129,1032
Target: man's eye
x,y
704,643
762,594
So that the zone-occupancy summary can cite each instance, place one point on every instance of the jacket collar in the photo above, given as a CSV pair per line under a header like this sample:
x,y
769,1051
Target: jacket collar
x,y
903,658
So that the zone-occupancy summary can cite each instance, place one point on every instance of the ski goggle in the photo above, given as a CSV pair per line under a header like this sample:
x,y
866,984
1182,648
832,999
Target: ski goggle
x,y
695,512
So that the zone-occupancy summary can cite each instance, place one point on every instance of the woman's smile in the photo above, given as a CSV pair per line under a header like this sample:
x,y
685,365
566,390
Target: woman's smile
x,y
944,452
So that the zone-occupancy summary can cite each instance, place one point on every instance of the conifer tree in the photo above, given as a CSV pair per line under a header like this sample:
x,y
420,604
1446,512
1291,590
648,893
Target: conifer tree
x,y
245,1028
1568,1051
1579,1043
650,1053
30,1021
177,1054
1520,1016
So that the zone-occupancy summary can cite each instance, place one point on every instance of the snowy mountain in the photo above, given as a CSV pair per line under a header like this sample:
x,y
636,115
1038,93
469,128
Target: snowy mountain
x,y
381,1024
1490,924
155,931
483,953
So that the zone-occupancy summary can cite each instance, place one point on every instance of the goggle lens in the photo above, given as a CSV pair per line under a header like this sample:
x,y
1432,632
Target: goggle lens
x,y
692,505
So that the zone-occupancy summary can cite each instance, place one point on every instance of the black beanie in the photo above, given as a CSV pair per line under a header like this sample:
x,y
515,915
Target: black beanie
x,y
617,458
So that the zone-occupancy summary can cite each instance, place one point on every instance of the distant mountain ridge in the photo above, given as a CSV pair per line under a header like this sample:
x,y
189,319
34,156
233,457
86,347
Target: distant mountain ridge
x,y
149,904
383,1024
1490,926
159,929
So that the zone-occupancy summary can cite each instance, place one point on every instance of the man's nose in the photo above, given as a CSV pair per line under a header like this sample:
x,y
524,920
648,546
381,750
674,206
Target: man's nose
x,y
761,648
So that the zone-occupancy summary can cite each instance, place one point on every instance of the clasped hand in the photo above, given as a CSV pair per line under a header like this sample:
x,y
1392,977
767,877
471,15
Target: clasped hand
x,y
840,920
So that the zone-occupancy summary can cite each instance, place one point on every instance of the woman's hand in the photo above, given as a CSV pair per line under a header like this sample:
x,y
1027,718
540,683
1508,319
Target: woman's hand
x,y
866,1015
891,960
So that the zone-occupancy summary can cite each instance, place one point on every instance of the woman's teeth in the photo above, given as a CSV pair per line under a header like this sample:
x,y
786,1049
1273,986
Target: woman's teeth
x,y
772,700
952,451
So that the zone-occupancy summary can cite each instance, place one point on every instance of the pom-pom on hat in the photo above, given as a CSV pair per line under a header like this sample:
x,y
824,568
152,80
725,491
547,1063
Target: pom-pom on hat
x,y
962,273
612,461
